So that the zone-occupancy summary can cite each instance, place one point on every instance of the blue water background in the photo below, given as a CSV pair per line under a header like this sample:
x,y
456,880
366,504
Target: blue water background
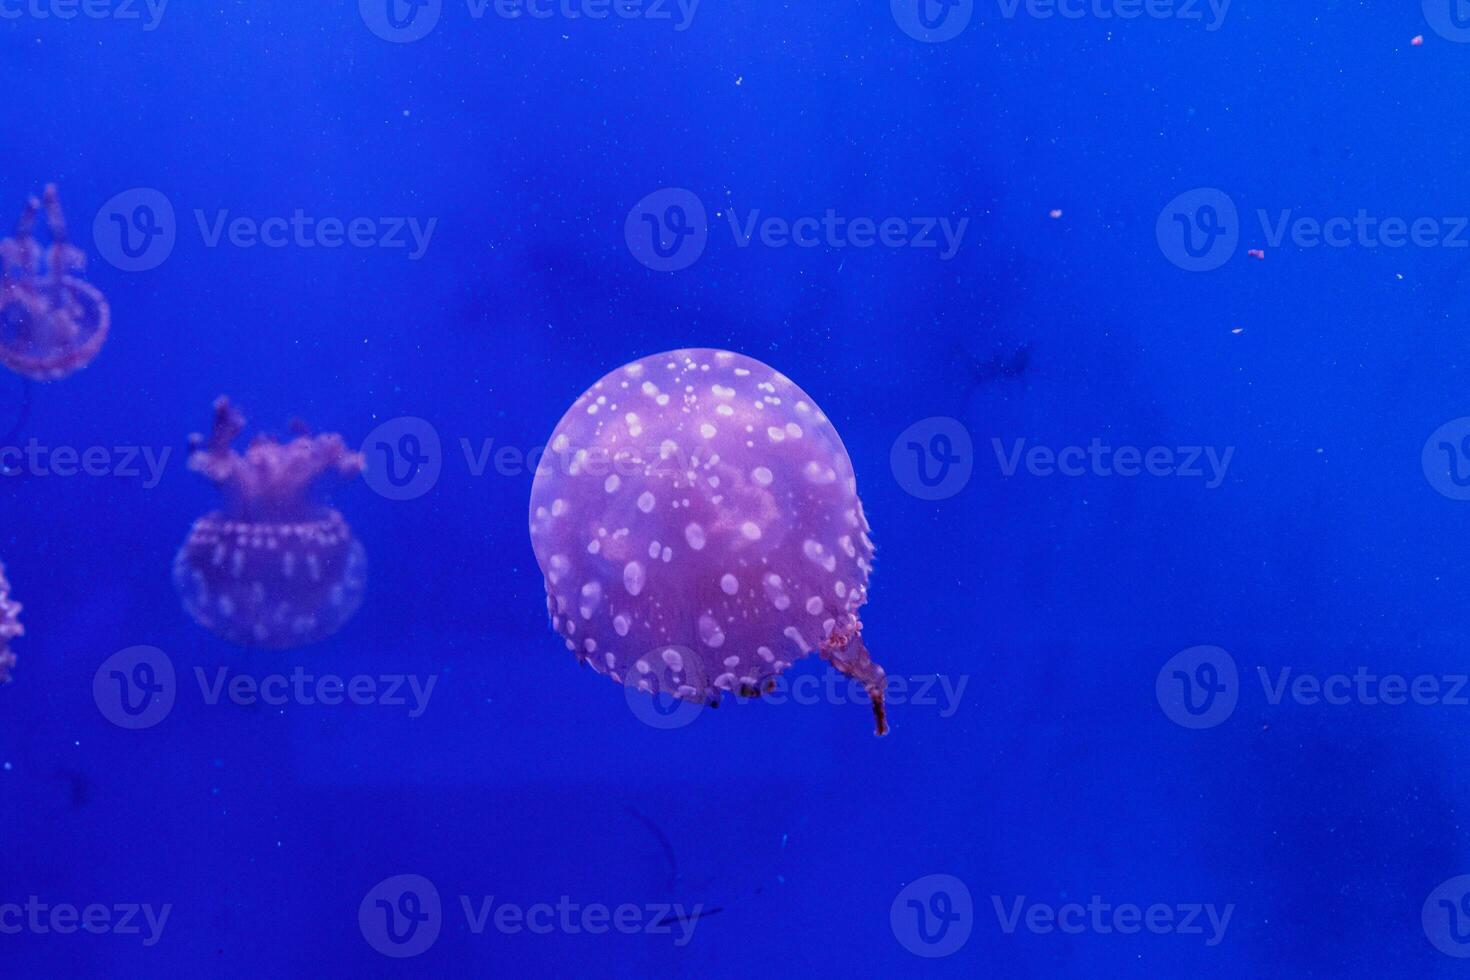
x,y
1058,599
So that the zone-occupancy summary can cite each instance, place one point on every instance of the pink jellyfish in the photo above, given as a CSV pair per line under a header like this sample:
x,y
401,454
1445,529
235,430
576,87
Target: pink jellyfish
x,y
697,520
273,568
10,626
52,322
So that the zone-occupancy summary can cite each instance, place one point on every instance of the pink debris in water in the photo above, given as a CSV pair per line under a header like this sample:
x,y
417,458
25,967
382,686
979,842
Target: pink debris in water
x,y
1259,254
52,322
274,567
1054,213
697,520
1418,41
10,626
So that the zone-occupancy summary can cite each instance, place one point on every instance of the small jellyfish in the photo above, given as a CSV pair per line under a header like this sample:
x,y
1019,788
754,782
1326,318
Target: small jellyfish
x,y
697,521
275,567
52,322
10,626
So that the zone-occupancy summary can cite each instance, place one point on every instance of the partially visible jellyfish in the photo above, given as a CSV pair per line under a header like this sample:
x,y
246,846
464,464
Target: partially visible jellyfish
x,y
697,521
275,567
10,626
52,322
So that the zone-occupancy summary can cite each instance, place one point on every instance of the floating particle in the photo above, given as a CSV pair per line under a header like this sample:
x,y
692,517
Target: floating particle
x,y
1418,41
1257,253
737,480
1055,213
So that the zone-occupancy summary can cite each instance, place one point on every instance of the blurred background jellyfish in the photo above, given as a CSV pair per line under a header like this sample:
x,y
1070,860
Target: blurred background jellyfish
x,y
10,626
274,567
697,521
52,322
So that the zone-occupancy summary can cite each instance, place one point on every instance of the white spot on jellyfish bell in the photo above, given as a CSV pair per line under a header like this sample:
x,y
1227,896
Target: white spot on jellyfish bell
x,y
742,468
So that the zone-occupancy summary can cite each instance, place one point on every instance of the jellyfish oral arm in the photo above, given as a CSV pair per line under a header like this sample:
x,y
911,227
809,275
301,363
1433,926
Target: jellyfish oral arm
x,y
847,653
270,479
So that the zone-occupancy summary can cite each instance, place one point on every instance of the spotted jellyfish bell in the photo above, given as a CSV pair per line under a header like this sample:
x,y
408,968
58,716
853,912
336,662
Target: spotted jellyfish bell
x,y
697,521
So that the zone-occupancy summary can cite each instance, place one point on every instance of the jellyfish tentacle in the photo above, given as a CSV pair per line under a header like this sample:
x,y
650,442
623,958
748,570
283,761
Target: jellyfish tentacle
x,y
21,257
55,219
847,653
62,257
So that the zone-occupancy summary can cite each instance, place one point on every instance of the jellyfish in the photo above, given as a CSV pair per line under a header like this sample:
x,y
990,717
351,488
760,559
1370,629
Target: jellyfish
x,y
52,322
697,522
10,626
275,567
